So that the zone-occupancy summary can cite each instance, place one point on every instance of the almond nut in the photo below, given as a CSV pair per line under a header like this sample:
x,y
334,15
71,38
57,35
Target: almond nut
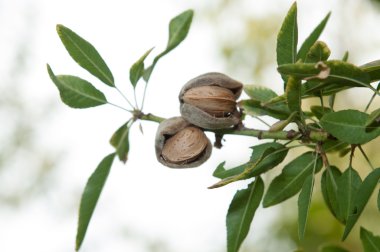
x,y
216,101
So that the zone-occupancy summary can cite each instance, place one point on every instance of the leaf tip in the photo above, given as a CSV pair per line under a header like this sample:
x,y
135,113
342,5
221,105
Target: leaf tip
x,y
50,72
266,204
293,7
59,28
78,244
189,12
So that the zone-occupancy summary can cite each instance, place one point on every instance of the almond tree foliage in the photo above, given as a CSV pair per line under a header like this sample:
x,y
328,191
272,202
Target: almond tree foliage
x,y
307,72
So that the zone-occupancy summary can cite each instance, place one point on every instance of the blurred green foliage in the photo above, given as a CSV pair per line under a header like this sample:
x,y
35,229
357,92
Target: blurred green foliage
x,y
25,167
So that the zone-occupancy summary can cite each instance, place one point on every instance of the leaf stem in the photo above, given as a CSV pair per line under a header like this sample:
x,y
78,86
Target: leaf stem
x,y
149,72
144,94
120,107
366,157
134,95
261,120
121,93
353,147
370,102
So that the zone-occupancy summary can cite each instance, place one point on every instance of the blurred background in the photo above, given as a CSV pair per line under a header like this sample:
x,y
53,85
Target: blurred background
x,y
48,150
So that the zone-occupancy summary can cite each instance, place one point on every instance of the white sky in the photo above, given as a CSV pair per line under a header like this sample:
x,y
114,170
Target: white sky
x,y
142,197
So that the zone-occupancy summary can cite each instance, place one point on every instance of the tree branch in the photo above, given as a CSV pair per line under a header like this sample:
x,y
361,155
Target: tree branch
x,y
313,135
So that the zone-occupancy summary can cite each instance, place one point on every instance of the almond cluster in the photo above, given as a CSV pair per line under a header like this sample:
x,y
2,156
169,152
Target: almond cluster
x,y
206,102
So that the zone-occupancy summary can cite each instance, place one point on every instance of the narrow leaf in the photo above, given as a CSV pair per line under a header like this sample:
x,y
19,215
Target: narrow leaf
x,y
304,200
241,212
76,92
378,200
330,190
287,38
91,195
348,185
293,94
341,75
345,56
85,55
179,27
291,179
137,69
268,162
341,72
349,126
120,140
361,199
271,160
246,174
371,243
313,37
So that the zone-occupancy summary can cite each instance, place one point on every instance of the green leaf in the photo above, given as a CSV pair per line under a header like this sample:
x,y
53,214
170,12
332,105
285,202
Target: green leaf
x,y
76,92
333,145
371,243
313,37
319,111
241,212
373,121
304,200
328,77
348,185
148,71
293,94
318,52
268,162
179,27
259,93
342,74
361,199
372,69
333,248
345,56
329,189
91,195
287,38
349,126
246,174
299,70
257,108
378,200
120,140
85,55
291,179
137,69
